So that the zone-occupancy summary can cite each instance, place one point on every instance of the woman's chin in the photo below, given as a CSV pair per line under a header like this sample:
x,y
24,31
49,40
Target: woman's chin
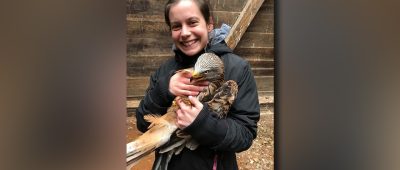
x,y
190,52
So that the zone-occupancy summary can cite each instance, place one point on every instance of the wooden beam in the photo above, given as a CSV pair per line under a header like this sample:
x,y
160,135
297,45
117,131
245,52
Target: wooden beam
x,y
243,21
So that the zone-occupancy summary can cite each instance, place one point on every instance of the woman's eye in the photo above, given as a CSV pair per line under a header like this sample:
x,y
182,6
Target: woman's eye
x,y
175,27
193,23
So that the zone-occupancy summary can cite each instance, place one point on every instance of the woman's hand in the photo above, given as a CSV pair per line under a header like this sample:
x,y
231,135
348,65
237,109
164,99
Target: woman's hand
x,y
187,113
179,85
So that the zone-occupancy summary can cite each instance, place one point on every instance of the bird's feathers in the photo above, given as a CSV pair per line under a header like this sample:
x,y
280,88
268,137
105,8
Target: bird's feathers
x,y
223,98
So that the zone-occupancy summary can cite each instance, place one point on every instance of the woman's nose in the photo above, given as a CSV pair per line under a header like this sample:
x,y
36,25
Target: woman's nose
x,y
185,31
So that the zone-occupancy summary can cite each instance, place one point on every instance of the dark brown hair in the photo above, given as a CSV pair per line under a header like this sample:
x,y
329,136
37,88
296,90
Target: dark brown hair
x,y
202,4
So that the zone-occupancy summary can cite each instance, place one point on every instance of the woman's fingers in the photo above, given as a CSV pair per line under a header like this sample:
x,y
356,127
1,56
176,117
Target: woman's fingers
x,y
195,102
187,113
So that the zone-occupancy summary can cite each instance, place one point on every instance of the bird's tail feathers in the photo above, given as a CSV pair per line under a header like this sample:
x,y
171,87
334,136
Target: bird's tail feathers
x,y
145,144
174,142
140,150
162,160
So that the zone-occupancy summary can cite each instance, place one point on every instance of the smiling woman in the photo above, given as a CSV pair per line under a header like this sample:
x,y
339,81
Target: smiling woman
x,y
190,25
191,29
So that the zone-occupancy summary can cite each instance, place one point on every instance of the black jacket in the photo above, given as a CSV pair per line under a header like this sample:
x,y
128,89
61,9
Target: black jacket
x,y
223,137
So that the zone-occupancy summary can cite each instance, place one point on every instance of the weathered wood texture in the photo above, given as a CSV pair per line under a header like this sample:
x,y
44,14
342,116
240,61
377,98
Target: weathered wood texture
x,y
149,43
243,21
257,46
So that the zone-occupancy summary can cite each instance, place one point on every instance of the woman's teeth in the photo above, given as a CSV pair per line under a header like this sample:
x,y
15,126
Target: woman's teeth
x,y
189,43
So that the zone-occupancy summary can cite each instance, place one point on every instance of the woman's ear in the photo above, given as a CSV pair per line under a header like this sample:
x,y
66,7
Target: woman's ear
x,y
210,27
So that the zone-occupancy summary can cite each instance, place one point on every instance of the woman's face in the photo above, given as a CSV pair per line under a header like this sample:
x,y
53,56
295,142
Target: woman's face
x,y
188,27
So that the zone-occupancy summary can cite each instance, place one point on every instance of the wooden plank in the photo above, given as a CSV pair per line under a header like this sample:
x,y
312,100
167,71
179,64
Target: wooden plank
x,y
151,59
263,93
244,20
145,7
264,83
145,65
267,7
263,71
145,17
227,5
140,71
255,53
262,23
255,39
153,25
137,46
136,86
164,37
147,27
226,17
264,19
264,63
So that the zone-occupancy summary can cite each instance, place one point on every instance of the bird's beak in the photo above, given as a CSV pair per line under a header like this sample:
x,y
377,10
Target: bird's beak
x,y
195,76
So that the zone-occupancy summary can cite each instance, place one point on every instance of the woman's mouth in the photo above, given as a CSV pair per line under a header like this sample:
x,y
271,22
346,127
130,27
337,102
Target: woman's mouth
x,y
188,43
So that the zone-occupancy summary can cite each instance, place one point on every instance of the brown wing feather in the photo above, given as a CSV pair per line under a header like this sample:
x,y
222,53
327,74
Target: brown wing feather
x,y
224,98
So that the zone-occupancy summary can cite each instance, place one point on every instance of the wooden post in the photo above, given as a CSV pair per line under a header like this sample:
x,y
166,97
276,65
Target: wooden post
x,y
243,21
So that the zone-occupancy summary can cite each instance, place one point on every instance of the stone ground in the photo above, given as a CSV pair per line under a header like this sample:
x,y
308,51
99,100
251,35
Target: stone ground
x,y
260,156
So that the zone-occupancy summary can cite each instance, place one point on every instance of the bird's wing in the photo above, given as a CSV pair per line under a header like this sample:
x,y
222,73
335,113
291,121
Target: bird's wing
x,y
223,98
208,93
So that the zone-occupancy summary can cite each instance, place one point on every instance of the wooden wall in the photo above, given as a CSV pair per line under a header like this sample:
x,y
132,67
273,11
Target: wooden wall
x,y
149,42
257,47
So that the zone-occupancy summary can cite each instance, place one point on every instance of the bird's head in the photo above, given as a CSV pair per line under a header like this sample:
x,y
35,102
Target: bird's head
x,y
208,67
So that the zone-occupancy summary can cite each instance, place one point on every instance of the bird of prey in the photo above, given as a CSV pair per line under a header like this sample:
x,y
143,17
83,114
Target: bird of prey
x,y
163,133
